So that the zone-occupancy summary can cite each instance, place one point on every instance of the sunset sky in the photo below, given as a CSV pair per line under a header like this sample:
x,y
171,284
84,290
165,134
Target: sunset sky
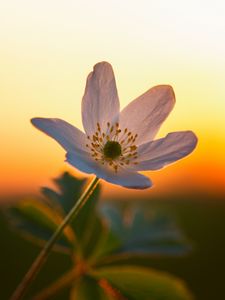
x,y
49,47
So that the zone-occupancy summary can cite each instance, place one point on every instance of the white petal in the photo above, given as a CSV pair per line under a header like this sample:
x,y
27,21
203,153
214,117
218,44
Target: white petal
x,y
128,179
157,154
68,136
144,115
100,102
83,162
125,178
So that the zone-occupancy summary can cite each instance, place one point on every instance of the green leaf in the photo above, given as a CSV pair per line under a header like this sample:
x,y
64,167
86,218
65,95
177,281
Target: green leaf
x,y
87,226
69,191
108,244
136,283
35,218
144,233
87,288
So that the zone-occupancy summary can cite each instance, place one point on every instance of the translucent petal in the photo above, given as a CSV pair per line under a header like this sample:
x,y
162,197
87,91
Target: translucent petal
x,y
83,162
128,179
100,102
144,115
159,153
68,136
123,177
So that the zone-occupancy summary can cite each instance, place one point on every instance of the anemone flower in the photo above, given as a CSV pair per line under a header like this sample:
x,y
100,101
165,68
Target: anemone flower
x,y
116,145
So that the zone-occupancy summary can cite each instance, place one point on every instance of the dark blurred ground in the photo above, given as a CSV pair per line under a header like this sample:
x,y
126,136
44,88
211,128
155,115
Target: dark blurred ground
x,y
202,219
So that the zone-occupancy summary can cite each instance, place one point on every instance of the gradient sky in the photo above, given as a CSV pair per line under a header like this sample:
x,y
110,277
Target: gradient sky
x,y
49,47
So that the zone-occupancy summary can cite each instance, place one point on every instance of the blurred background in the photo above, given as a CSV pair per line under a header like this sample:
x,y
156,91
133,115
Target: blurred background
x,y
47,50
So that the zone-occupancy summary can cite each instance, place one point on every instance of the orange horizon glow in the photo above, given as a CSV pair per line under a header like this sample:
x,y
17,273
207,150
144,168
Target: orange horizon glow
x,y
197,173
49,47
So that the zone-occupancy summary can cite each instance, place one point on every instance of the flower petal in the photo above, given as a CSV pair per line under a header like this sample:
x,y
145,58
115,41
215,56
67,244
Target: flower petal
x,y
157,154
100,102
128,179
125,178
144,115
68,136
83,162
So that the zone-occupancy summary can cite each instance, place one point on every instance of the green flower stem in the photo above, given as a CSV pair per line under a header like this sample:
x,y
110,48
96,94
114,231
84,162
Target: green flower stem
x,y
42,257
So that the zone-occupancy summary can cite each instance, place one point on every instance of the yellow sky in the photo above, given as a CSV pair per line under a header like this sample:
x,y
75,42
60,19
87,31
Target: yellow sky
x,y
48,48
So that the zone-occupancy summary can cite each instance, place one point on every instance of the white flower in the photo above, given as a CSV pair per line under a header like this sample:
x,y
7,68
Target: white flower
x,y
116,145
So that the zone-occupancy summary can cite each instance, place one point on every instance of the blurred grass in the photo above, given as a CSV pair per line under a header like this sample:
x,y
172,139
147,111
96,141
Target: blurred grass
x,y
202,219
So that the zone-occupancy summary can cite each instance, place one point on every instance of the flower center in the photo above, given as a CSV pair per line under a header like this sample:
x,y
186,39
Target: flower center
x,y
112,150
114,147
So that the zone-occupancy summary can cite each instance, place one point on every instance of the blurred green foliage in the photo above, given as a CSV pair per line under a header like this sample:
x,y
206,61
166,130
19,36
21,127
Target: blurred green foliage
x,y
108,252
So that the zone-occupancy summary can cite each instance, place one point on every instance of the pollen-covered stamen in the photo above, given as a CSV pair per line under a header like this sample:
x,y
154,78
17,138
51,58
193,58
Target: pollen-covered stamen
x,y
114,147
129,149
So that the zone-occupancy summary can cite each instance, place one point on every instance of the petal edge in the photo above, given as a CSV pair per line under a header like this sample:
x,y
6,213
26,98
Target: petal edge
x,y
100,103
145,114
159,153
67,135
